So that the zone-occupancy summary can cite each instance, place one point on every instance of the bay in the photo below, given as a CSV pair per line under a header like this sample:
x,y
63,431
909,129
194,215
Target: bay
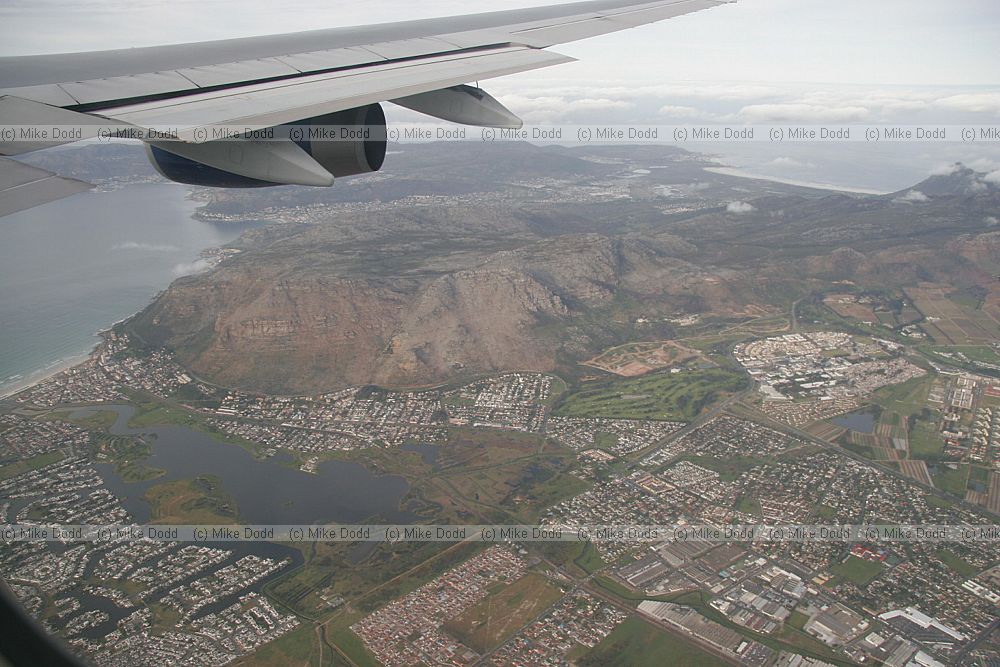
x,y
73,267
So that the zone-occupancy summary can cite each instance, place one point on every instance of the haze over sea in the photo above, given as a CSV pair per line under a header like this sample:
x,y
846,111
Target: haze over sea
x,y
74,267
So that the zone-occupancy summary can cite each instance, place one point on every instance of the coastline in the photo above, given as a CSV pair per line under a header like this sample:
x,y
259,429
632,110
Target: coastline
x,y
738,173
127,248
39,376
55,368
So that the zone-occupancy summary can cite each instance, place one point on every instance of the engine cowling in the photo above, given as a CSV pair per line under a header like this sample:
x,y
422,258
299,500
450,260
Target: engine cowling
x,y
360,144
344,143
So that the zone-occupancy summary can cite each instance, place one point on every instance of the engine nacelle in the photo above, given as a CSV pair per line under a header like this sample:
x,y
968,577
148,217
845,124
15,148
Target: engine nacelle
x,y
309,152
358,145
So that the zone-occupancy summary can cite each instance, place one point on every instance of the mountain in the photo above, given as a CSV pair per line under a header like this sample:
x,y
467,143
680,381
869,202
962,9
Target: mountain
x,y
539,258
294,325
958,181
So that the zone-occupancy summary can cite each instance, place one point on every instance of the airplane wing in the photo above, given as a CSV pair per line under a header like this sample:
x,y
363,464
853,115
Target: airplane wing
x,y
200,91
23,186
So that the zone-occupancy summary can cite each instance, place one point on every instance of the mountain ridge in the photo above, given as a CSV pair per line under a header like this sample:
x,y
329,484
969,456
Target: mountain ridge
x,y
420,294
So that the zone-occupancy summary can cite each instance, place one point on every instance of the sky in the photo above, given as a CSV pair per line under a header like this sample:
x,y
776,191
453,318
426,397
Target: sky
x,y
757,61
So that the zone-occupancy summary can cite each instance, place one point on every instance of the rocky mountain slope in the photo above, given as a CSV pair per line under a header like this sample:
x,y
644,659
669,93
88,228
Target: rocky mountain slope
x,y
540,270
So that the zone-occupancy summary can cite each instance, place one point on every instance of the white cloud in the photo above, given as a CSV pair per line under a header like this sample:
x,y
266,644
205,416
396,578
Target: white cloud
x,y
946,169
972,102
993,177
806,113
789,163
554,99
190,268
713,91
536,109
992,221
667,91
912,197
679,111
549,108
984,164
740,207
602,103
898,106
149,247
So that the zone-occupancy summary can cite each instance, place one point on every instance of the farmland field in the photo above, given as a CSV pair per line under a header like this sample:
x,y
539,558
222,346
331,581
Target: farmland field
x,y
950,322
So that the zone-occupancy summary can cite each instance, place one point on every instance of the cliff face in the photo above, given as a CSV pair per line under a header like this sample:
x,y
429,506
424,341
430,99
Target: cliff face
x,y
474,320
281,332
287,326
558,255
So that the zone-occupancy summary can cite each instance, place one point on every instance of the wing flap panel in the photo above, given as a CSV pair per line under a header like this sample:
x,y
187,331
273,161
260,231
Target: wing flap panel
x,y
331,59
125,87
409,48
246,70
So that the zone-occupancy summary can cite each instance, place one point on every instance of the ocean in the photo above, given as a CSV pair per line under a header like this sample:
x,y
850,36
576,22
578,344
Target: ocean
x,y
74,267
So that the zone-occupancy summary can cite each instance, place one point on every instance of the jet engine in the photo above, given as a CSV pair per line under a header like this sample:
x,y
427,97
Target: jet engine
x,y
309,152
